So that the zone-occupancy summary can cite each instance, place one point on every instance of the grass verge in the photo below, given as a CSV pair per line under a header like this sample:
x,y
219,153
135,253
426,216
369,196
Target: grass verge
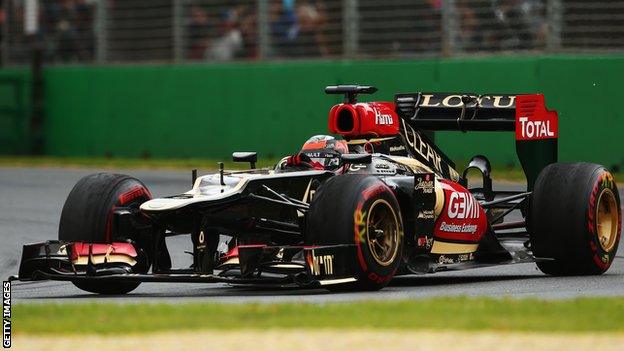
x,y
457,313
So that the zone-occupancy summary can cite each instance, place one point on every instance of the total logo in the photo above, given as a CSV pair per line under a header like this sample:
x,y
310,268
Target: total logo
x,y
463,205
381,119
535,129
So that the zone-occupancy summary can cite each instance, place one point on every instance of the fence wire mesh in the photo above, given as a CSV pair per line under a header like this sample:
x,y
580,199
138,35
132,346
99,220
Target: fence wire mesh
x,y
102,31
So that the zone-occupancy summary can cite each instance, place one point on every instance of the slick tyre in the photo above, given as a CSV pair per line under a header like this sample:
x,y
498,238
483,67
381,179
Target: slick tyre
x,y
87,217
361,210
574,219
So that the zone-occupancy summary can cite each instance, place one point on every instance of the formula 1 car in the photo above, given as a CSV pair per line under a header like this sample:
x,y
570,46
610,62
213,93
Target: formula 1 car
x,y
348,213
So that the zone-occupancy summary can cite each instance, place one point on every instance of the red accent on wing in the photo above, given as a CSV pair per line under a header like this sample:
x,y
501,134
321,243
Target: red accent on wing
x,y
82,249
234,251
375,119
533,120
462,217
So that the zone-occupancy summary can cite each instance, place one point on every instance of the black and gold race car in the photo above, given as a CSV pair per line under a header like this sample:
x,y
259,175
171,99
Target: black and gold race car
x,y
350,211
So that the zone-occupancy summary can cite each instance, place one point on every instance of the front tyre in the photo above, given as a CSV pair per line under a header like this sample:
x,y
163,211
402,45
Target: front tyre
x,y
575,219
361,210
88,213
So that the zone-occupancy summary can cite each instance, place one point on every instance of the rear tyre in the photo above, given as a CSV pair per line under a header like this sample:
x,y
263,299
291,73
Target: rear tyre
x,y
575,219
362,210
87,217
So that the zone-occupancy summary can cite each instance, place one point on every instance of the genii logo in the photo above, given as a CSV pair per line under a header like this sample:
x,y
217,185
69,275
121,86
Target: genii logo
x,y
462,217
533,120
463,205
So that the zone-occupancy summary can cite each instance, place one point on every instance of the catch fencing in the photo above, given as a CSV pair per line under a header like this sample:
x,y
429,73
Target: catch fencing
x,y
119,31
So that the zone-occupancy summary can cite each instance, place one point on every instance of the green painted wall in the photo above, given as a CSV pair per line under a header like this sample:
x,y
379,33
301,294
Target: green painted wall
x,y
15,97
213,109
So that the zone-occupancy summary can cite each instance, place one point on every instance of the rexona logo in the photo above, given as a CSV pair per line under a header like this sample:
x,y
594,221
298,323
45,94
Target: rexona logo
x,y
533,120
463,205
381,119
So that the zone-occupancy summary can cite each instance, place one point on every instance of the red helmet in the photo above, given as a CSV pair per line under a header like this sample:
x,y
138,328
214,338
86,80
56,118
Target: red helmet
x,y
324,151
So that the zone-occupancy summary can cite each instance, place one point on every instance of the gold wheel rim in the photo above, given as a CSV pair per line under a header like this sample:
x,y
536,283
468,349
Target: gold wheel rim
x,y
607,220
382,234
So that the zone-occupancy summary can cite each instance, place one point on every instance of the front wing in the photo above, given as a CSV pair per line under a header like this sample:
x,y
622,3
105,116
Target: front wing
x,y
303,266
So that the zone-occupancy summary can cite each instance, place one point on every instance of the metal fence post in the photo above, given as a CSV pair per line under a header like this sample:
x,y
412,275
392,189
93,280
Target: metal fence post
x,y
350,28
264,29
178,30
554,15
101,31
449,28
6,5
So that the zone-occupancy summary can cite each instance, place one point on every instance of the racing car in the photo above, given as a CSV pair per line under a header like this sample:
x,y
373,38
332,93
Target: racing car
x,y
351,210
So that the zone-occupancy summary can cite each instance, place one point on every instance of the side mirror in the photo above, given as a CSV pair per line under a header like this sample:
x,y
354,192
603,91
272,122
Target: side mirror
x,y
356,158
251,157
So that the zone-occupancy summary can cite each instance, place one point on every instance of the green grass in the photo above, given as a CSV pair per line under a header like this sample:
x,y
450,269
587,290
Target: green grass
x,y
459,313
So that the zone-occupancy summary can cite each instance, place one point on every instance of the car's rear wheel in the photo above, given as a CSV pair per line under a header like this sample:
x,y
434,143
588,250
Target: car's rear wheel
x,y
360,210
87,217
574,219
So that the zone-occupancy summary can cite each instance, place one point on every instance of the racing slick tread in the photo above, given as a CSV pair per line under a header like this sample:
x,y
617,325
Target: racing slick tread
x,y
558,220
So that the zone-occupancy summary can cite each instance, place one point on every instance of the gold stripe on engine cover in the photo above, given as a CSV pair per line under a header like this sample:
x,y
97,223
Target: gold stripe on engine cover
x,y
440,247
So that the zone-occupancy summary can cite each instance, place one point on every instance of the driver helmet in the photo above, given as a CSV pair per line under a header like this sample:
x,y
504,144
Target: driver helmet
x,y
324,151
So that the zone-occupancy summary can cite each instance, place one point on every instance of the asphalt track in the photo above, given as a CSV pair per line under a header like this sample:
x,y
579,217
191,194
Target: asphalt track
x,y
31,200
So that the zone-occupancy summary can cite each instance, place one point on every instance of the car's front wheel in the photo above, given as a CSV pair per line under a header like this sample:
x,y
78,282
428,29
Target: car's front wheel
x,y
87,217
361,210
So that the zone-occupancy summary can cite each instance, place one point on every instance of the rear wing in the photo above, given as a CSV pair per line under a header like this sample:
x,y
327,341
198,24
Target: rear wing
x,y
525,114
535,127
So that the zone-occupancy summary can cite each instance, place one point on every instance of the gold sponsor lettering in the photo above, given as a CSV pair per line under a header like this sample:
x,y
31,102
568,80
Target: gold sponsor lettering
x,y
455,100
422,148
498,98
326,262
359,218
447,101
427,100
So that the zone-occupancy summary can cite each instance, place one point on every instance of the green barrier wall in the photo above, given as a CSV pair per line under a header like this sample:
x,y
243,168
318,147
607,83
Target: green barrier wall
x,y
15,97
211,110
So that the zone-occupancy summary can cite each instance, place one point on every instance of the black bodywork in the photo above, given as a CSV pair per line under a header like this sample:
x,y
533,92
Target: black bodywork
x,y
267,219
